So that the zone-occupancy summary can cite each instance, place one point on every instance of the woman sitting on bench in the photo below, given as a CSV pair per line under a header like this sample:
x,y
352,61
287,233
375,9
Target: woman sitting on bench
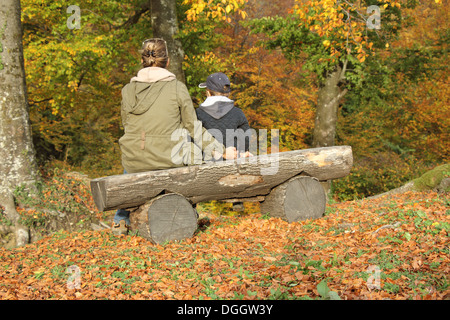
x,y
159,121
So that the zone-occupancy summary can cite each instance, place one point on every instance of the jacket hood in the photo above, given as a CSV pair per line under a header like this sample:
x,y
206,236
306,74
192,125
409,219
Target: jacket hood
x,y
143,90
153,74
217,106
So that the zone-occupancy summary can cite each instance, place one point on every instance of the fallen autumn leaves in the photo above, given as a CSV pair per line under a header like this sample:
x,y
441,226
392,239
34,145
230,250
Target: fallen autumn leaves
x,y
393,247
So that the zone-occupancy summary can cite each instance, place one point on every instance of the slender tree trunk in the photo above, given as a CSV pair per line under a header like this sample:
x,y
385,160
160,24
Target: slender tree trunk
x,y
165,25
330,95
18,161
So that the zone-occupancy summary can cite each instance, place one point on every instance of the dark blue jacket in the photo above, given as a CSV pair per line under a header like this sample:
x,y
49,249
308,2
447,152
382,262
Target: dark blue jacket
x,y
218,114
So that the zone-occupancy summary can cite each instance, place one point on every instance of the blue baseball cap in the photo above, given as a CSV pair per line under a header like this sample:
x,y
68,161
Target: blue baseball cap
x,y
218,82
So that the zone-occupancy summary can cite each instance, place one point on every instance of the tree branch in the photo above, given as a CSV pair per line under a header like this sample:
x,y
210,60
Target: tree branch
x,y
388,226
145,7
344,69
342,94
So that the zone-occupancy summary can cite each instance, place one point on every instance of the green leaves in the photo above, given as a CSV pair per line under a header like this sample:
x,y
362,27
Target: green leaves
x,y
325,292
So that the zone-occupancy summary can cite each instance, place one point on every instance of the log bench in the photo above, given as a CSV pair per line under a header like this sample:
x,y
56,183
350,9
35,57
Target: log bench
x,y
287,185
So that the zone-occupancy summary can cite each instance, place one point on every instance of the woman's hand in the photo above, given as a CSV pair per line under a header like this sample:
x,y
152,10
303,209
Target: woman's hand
x,y
245,155
230,153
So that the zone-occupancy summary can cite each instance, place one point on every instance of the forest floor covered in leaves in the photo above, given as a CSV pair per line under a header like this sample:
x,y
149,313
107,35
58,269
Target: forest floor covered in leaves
x,y
393,247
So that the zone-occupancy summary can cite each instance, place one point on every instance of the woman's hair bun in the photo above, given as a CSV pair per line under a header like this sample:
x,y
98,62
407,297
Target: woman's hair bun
x,y
154,53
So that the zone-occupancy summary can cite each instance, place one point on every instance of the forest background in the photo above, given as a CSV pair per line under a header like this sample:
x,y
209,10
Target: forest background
x,y
395,113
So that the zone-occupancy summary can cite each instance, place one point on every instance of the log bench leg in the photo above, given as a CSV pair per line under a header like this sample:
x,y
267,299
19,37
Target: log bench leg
x,y
167,217
297,199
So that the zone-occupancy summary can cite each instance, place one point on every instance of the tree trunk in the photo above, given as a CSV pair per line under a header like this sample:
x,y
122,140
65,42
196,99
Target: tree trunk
x,y
242,178
327,107
18,163
330,95
165,25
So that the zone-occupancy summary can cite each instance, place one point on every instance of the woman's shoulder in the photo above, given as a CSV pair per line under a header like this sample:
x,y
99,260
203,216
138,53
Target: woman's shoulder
x,y
180,84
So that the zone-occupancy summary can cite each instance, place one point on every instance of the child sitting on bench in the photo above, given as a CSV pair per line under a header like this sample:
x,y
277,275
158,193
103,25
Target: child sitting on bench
x,y
218,114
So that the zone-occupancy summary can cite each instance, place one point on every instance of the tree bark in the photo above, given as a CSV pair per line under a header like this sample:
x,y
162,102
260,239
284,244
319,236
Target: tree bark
x,y
330,95
165,25
242,178
18,163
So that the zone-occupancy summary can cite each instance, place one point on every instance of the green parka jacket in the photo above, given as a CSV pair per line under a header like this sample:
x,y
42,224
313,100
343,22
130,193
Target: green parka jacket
x,y
159,118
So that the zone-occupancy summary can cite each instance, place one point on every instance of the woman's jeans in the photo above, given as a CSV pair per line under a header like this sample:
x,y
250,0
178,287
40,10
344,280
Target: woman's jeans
x,y
122,214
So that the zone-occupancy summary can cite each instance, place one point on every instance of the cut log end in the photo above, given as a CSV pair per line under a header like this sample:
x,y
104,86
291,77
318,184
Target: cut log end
x,y
300,198
168,217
